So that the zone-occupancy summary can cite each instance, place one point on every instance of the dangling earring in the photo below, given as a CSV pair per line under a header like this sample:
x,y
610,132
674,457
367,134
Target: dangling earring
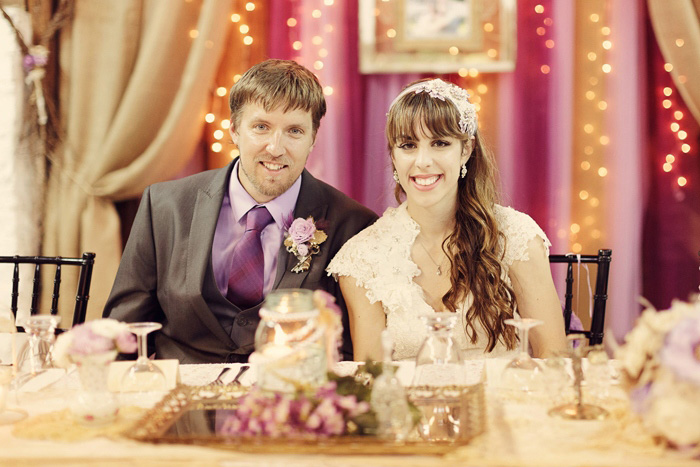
x,y
464,170
396,176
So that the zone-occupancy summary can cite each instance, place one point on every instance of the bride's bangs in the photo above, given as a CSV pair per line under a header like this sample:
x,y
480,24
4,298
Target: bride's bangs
x,y
419,114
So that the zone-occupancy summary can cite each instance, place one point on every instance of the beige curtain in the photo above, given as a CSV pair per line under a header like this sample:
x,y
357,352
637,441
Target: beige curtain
x,y
677,27
135,81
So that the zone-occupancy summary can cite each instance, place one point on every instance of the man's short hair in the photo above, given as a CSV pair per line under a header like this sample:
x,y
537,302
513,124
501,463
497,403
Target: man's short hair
x,y
275,83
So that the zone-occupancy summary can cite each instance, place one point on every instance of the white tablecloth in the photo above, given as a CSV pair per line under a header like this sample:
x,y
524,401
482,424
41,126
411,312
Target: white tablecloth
x,y
519,433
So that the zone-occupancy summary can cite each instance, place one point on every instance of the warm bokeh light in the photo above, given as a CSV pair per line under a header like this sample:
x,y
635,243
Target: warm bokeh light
x,y
296,45
576,248
667,167
602,171
607,68
194,33
583,194
216,147
328,90
453,50
682,181
247,40
594,18
316,14
235,18
291,22
244,28
250,6
685,148
539,9
680,42
668,91
225,124
668,67
678,115
391,33
544,69
675,127
209,117
488,27
575,228
218,134
221,91
670,158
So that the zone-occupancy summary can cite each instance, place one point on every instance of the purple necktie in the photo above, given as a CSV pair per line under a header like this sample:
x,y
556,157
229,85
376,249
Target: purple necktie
x,y
245,284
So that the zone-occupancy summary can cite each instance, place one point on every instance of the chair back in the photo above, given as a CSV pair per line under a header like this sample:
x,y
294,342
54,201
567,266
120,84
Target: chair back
x,y
83,293
600,296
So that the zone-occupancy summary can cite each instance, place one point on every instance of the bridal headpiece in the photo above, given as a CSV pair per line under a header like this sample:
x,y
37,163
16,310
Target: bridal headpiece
x,y
439,89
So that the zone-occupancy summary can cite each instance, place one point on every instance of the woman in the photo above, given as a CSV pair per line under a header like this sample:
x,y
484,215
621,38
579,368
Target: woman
x,y
449,246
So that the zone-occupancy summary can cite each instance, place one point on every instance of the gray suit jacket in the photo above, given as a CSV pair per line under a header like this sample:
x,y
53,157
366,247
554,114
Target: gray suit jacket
x,y
165,274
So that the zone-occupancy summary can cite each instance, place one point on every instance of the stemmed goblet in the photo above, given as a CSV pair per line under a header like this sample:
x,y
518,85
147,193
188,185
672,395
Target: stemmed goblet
x,y
143,375
523,373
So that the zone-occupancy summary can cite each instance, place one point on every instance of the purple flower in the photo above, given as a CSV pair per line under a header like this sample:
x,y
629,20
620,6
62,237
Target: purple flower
x,y
681,350
126,342
86,342
302,230
32,61
302,249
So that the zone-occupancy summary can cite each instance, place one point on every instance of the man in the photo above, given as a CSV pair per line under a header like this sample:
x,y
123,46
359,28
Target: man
x,y
205,250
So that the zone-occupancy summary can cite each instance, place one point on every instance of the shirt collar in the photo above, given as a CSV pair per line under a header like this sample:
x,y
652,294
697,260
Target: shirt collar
x,y
280,207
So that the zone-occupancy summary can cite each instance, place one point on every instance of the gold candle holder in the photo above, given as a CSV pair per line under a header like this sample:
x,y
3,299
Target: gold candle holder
x,y
578,410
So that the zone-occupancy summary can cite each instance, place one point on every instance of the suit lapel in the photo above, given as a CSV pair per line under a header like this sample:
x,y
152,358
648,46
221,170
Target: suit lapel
x,y
310,203
204,220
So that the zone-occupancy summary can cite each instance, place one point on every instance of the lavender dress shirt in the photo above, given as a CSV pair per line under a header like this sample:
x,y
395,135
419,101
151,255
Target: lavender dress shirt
x,y
231,226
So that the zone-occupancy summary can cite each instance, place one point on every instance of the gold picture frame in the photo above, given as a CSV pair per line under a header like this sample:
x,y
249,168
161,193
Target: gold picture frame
x,y
438,36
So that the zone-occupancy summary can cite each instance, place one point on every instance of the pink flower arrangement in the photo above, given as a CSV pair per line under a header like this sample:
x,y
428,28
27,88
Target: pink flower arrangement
x,y
303,240
92,338
325,413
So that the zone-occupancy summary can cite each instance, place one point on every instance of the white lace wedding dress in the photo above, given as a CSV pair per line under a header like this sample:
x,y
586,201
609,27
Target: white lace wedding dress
x,y
379,258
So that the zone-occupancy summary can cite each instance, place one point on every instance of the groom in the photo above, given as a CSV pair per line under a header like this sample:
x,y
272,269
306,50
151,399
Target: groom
x,y
206,249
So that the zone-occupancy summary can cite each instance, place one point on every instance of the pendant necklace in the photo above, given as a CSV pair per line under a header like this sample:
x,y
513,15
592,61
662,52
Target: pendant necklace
x,y
438,266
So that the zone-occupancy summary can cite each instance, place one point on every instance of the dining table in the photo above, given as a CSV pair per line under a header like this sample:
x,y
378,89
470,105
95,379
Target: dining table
x,y
36,428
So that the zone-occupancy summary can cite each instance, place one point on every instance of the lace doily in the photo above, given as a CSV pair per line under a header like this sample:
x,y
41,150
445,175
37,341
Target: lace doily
x,y
62,426
379,259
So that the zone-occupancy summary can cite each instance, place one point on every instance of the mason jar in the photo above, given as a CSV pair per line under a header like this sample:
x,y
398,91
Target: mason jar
x,y
289,342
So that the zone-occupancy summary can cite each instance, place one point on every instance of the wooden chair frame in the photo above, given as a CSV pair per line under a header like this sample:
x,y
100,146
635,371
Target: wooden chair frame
x,y
600,297
83,293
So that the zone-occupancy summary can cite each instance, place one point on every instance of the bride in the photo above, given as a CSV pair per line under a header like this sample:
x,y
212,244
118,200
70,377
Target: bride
x,y
449,246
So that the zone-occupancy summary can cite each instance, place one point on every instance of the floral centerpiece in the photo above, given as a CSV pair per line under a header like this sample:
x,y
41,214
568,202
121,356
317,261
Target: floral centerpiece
x,y
661,366
340,406
92,346
92,338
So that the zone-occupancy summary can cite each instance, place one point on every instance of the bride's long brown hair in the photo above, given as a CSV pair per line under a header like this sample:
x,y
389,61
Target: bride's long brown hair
x,y
476,246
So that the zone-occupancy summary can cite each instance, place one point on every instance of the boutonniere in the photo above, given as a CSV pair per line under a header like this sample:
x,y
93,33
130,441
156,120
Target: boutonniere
x,y
303,239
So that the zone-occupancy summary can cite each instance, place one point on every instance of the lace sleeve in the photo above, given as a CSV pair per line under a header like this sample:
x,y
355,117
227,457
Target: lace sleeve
x,y
519,229
351,260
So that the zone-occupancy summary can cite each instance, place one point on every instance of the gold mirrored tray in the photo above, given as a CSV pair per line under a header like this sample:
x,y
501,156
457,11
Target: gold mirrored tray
x,y
191,415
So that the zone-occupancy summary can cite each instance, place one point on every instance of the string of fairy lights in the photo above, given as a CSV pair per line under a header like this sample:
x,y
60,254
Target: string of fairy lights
x,y
216,119
314,50
670,107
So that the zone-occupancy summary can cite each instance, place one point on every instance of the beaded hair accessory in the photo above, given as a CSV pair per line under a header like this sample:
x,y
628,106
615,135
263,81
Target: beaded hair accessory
x,y
439,89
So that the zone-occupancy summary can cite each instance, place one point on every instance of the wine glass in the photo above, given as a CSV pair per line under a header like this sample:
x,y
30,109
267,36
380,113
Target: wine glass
x,y
42,333
438,376
523,373
143,376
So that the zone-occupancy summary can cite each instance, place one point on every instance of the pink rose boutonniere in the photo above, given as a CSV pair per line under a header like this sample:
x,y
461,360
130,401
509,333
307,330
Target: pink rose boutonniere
x,y
303,240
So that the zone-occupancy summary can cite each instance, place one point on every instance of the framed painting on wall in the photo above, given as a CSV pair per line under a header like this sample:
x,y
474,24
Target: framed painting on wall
x,y
436,36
